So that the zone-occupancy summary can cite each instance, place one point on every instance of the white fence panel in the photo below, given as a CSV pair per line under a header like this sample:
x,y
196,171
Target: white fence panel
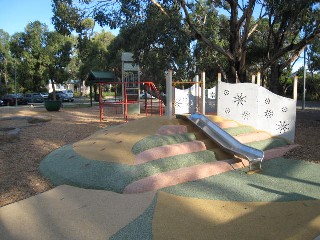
x,y
186,100
254,105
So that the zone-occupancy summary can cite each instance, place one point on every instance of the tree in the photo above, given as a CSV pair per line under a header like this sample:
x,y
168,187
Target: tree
x,y
94,54
291,26
314,56
28,50
4,58
154,50
58,53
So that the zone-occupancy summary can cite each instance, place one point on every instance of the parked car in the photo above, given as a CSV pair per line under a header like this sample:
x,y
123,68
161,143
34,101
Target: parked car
x,y
144,95
11,99
33,98
44,95
1,103
68,92
61,96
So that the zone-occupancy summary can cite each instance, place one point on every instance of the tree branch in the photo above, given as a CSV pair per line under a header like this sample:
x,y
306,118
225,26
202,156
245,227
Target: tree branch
x,y
160,7
201,37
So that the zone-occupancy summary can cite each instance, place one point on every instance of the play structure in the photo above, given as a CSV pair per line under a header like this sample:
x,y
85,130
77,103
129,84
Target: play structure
x,y
129,100
246,103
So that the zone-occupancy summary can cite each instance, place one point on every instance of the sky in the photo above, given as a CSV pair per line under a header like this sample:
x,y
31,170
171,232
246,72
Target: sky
x,y
16,14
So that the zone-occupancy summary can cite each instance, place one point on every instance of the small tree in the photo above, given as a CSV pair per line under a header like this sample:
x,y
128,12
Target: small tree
x,y
58,52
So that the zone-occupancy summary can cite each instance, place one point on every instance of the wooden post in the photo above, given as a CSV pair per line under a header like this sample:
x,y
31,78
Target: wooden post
x,y
258,79
169,94
253,79
295,88
196,94
219,77
203,93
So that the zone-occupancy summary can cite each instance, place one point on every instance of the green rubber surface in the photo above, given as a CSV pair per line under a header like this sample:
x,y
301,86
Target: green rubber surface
x,y
161,140
280,180
65,166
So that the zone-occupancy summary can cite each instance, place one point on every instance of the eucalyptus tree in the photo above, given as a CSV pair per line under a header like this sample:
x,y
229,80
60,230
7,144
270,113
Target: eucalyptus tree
x,y
158,43
28,49
5,60
291,26
58,54
94,55
314,56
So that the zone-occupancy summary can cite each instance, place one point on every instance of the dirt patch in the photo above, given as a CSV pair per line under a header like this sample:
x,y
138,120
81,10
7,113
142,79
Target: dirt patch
x,y
307,136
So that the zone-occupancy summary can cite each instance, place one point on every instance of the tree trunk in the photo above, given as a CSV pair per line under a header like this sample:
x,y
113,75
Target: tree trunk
x,y
274,78
53,90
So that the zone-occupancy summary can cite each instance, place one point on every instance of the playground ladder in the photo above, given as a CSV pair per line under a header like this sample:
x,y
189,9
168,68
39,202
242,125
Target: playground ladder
x,y
227,141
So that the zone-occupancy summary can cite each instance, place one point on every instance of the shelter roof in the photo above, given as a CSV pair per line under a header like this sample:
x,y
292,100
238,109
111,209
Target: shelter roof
x,y
99,76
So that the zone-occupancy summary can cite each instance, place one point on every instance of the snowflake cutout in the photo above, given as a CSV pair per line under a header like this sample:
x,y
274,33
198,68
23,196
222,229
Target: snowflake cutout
x,y
226,92
245,115
267,101
239,99
213,95
283,126
190,103
268,113
284,109
211,103
180,102
227,110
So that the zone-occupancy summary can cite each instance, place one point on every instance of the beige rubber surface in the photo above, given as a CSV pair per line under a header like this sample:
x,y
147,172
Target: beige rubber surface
x,y
179,217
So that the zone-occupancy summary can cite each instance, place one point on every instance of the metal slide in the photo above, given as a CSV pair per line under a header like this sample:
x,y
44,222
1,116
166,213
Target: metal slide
x,y
226,141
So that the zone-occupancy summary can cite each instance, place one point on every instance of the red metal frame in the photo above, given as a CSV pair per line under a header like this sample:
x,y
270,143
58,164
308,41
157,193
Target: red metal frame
x,y
125,102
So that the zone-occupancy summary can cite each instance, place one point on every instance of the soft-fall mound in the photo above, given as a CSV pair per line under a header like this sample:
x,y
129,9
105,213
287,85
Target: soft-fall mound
x,y
161,140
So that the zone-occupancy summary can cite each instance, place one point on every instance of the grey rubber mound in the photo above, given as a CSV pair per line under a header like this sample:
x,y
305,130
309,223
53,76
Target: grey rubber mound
x,y
281,180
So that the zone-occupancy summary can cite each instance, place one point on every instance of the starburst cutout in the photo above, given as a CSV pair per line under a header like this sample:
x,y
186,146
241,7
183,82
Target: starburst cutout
x,y
268,113
245,115
282,126
239,99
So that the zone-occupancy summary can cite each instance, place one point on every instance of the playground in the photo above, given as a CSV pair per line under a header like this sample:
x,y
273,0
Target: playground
x,y
220,164
230,205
